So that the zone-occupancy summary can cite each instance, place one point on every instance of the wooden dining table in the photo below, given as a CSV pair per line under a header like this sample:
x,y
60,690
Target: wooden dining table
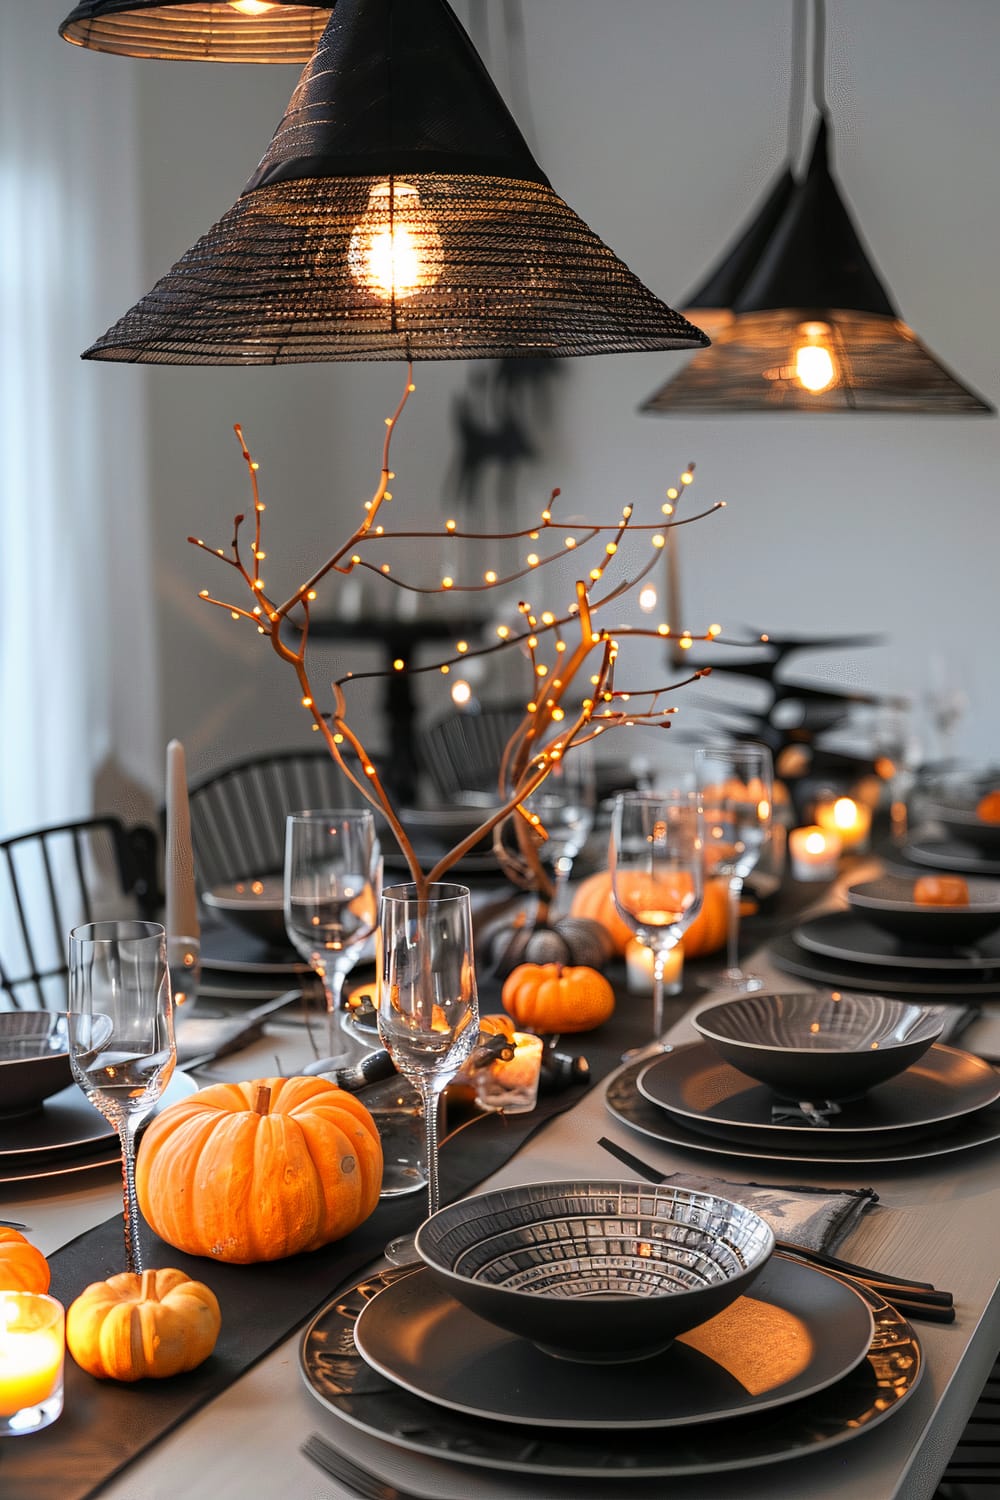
x,y
936,1219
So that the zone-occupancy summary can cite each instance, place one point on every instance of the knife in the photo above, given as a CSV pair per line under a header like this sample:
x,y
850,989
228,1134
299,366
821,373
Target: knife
x,y
216,1037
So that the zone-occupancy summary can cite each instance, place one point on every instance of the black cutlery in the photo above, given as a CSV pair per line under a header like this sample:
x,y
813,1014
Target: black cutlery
x,y
364,1484
917,1299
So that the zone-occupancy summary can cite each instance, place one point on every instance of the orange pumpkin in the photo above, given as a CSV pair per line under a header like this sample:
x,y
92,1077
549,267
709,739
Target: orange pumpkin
x,y
549,998
256,1171
941,890
988,808
147,1325
707,933
23,1267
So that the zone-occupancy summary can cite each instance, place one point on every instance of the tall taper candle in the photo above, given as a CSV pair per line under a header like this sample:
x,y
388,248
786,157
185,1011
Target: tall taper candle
x,y
182,902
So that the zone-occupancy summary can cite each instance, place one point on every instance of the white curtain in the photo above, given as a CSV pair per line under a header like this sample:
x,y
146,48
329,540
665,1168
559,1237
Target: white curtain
x,y
78,687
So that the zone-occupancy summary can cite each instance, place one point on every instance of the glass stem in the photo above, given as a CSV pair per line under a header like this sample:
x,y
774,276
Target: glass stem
x,y
733,924
333,988
430,1098
130,1205
659,955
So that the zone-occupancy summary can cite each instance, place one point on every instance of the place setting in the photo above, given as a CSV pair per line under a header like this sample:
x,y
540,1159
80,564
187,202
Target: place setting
x,y
959,824
830,1079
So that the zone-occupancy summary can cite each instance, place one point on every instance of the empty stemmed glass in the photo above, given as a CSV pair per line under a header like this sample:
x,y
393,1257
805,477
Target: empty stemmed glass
x,y
333,871
428,1008
736,783
121,1036
565,803
657,859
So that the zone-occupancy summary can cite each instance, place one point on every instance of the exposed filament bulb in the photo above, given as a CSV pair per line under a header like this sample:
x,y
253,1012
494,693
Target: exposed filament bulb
x,y
394,250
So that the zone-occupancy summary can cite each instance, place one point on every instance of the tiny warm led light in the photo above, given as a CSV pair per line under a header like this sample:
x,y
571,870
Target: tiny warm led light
x,y
203,594
548,618
235,614
532,641
611,548
461,692
686,643
570,541
533,536
338,739
260,506
445,669
462,646
659,540
663,629
369,770
306,703
503,631
450,525
560,645
541,670
594,680
399,664
595,574
384,568
558,714
647,599
714,630
546,515
490,577
672,494
667,509
355,559
532,559
686,477
447,583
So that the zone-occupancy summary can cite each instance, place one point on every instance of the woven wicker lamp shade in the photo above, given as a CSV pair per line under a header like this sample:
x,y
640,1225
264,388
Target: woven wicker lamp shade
x,y
802,322
248,31
397,214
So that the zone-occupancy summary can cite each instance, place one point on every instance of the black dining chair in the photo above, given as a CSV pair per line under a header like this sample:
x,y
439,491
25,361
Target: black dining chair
x,y
54,878
460,752
238,812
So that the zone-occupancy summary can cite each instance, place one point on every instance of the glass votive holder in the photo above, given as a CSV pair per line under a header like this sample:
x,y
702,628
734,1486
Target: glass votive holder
x,y
32,1350
512,1086
849,819
639,969
814,852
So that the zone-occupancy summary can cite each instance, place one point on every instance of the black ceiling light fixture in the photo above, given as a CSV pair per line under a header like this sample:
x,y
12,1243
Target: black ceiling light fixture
x,y
250,31
813,326
398,213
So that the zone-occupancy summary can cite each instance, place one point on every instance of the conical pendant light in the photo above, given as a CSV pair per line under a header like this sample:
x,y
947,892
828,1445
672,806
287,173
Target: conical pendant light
x,y
250,31
397,214
814,328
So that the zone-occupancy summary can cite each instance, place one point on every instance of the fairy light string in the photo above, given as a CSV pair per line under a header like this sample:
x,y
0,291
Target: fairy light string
x,y
559,650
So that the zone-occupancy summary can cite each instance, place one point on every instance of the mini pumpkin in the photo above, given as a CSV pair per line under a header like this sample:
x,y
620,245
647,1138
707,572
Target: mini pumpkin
x,y
941,890
23,1267
706,934
256,1171
549,997
154,1324
988,807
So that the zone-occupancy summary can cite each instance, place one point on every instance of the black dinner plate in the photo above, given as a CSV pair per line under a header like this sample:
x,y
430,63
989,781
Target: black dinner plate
x,y
951,854
875,979
694,1085
227,950
337,1376
624,1101
843,934
66,1127
792,1335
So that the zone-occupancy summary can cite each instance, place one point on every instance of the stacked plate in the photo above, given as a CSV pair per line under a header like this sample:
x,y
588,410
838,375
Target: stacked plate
x,y
802,1362
66,1135
962,830
888,941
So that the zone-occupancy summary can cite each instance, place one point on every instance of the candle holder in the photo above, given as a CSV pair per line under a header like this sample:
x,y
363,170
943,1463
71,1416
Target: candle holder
x,y
639,962
848,818
814,852
512,1086
32,1351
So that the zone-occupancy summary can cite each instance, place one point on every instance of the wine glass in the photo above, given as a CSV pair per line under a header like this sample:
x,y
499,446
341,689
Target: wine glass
x,y
428,1007
736,784
656,858
565,803
333,871
121,1036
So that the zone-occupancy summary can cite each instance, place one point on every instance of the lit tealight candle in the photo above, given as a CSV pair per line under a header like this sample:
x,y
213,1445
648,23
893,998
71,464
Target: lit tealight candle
x,y
639,969
512,1086
814,852
32,1345
850,820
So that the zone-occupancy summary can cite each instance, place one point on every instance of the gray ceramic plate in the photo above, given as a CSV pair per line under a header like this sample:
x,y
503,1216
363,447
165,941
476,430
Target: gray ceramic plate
x,y
843,973
888,903
337,1376
842,934
951,854
694,1085
814,1329
66,1127
626,1104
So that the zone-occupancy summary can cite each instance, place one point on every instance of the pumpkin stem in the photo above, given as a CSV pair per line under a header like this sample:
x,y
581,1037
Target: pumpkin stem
x,y
147,1288
262,1099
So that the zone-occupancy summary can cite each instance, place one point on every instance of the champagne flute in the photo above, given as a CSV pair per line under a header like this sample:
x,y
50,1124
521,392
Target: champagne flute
x,y
428,1008
736,784
565,803
656,857
333,871
121,1036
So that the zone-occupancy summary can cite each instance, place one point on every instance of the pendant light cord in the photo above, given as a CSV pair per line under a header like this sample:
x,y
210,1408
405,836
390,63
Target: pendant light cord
x,y
797,86
819,57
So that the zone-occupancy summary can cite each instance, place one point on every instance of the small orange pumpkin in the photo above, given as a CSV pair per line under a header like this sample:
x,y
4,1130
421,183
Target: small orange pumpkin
x,y
23,1267
247,1172
941,890
988,808
549,998
707,933
132,1327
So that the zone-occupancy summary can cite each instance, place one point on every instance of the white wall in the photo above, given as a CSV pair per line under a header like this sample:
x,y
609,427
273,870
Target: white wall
x,y
659,121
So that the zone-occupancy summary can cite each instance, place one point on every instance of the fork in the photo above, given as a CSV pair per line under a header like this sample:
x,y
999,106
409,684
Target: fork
x,y
367,1486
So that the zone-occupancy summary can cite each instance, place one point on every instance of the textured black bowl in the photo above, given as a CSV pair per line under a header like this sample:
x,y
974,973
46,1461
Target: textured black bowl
x,y
813,1046
889,904
254,906
596,1271
34,1060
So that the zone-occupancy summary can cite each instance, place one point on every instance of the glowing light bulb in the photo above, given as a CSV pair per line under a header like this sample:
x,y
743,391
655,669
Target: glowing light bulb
x,y
647,599
461,692
394,251
252,7
814,364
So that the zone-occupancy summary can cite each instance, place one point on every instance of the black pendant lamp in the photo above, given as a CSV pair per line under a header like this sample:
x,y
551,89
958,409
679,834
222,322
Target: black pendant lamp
x,y
250,31
814,328
397,214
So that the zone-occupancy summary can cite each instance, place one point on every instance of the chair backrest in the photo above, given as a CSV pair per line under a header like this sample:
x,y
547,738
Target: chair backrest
x,y
238,812
461,751
54,878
